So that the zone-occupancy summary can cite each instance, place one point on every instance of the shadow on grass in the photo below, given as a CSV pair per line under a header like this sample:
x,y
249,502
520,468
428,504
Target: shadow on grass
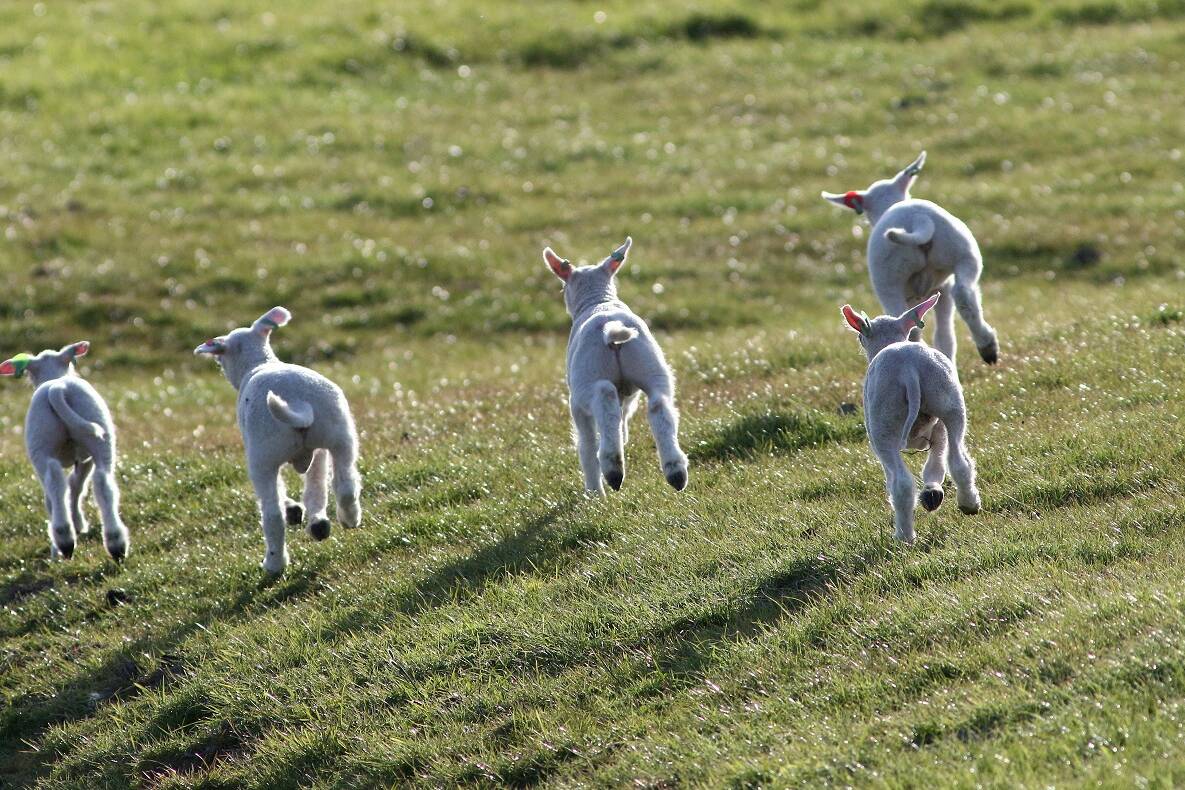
x,y
686,646
123,674
775,433
537,545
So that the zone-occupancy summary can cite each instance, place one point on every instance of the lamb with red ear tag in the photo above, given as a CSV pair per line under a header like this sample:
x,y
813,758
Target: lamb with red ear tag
x,y
913,401
289,414
69,425
915,250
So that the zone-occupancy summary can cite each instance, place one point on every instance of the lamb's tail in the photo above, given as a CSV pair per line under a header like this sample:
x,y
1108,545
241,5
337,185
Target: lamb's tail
x,y
922,233
616,333
298,414
76,424
913,397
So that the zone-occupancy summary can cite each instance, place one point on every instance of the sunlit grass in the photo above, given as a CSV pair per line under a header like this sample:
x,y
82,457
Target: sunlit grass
x,y
391,175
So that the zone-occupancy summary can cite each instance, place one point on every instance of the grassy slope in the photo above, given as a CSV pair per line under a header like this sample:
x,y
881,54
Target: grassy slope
x,y
173,169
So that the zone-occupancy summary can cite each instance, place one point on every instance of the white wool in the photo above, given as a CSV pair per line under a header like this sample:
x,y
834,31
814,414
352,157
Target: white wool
x,y
612,357
915,250
913,400
69,425
289,414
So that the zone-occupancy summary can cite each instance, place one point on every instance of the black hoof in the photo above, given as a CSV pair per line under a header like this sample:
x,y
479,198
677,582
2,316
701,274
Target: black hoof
x,y
931,498
116,597
66,550
294,513
678,479
118,553
319,529
969,510
614,479
990,352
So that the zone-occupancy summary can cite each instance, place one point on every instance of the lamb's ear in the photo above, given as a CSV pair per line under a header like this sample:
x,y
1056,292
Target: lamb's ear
x,y
16,366
853,200
559,267
913,316
905,178
276,317
618,256
855,320
73,350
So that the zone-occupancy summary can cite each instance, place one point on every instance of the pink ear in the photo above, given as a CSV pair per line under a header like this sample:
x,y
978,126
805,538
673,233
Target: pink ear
x,y
913,317
617,257
81,348
7,368
559,267
854,320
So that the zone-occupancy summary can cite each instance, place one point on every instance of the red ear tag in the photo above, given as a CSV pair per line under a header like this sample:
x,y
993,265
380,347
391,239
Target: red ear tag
x,y
853,200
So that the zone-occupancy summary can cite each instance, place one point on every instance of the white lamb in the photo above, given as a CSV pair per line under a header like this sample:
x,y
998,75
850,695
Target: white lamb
x,y
917,248
611,357
68,424
913,400
289,414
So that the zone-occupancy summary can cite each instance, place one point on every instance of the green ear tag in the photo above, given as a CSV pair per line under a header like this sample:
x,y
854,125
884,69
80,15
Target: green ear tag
x,y
20,362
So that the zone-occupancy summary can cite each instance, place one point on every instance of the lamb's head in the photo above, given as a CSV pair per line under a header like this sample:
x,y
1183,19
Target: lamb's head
x,y
46,366
877,199
246,348
585,286
877,333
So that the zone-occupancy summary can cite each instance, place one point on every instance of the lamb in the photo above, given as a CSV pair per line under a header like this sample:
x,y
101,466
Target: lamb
x,y
611,358
917,248
913,400
289,414
69,424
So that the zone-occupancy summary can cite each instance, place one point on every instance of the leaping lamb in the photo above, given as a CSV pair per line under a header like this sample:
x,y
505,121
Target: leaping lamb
x,y
289,414
917,248
611,358
69,424
913,400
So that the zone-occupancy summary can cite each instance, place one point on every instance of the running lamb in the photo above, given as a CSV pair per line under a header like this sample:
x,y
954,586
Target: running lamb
x,y
68,424
611,357
917,248
912,400
289,414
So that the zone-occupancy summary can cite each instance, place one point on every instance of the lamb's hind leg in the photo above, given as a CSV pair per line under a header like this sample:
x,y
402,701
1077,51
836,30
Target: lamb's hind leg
x,y
934,472
78,482
899,482
347,483
962,466
61,529
969,303
664,424
944,323
115,534
293,511
266,480
316,494
606,412
584,430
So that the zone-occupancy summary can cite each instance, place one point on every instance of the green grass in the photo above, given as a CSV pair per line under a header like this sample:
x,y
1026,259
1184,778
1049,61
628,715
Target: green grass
x,y
390,174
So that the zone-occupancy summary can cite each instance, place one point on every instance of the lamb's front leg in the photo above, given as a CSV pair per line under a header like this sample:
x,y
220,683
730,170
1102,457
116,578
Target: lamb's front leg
x,y
266,480
934,472
585,433
78,480
57,490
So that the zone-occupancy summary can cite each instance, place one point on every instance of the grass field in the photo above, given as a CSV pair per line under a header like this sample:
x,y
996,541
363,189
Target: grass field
x,y
390,173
